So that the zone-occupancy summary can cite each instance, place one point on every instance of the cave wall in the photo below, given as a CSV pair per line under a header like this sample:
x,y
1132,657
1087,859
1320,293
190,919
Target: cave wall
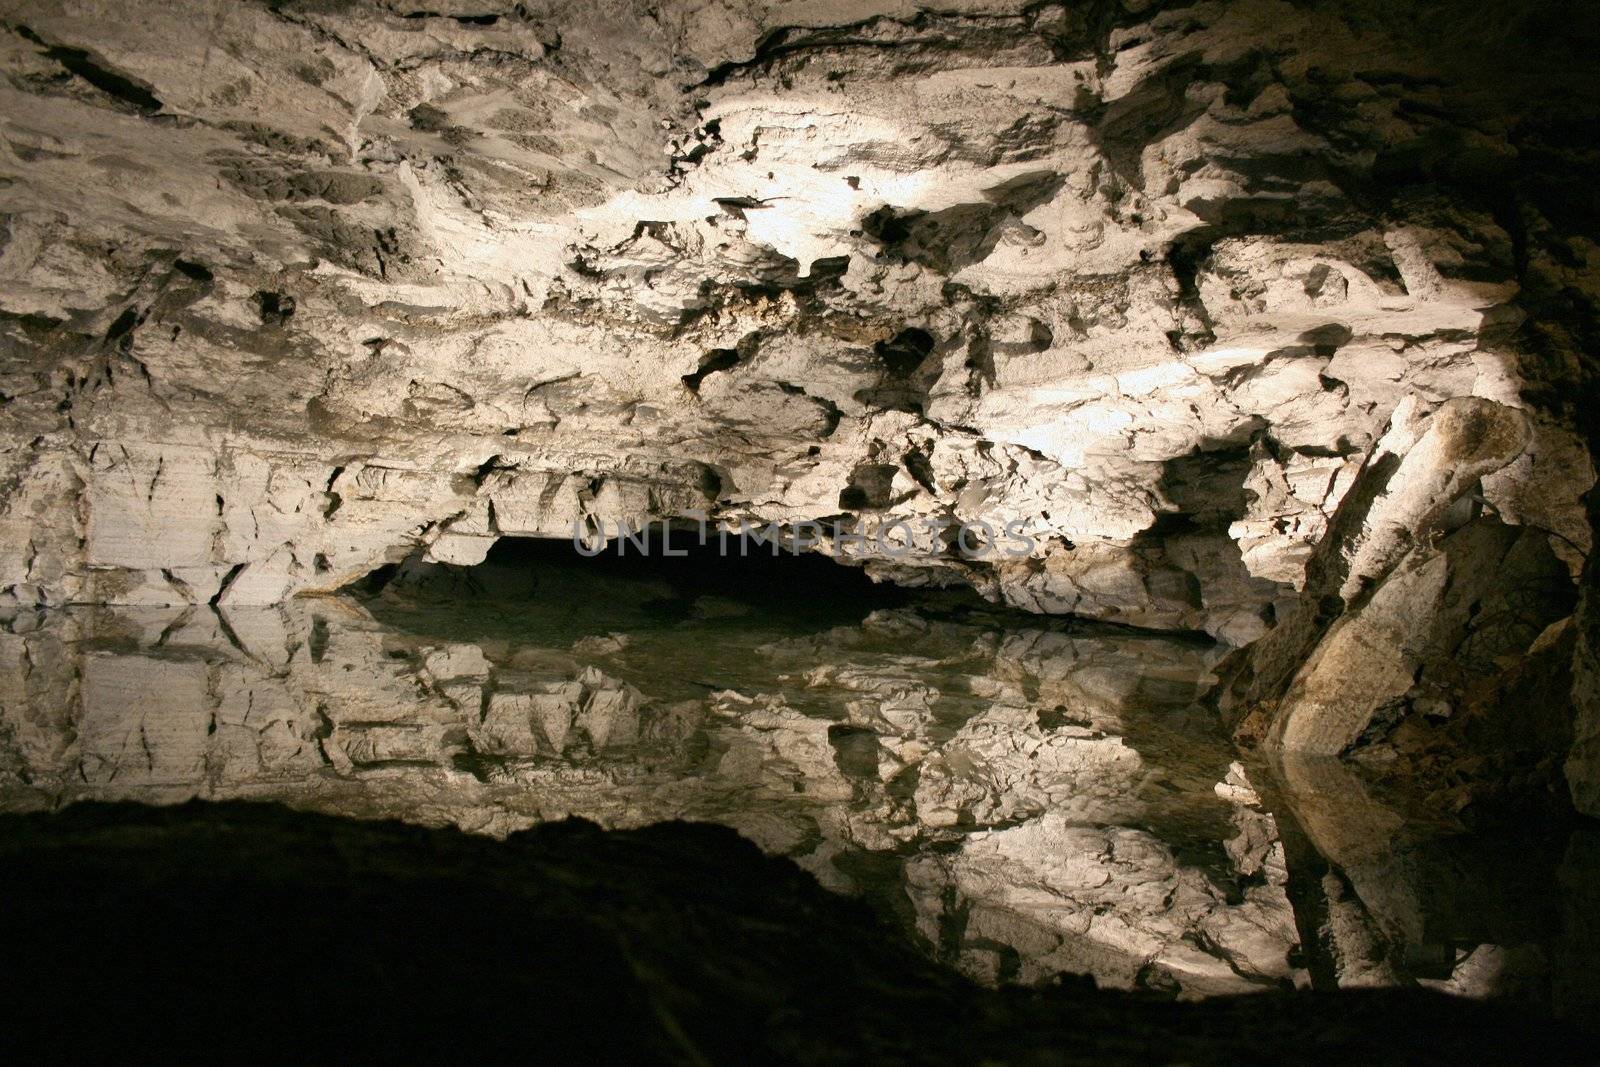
x,y
294,289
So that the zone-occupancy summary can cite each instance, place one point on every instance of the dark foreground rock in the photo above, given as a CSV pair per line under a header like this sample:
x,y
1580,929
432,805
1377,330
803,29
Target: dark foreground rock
x,y
235,927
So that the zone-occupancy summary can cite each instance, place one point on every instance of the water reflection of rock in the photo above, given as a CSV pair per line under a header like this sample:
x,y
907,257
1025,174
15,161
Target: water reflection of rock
x,y
1504,908
1030,800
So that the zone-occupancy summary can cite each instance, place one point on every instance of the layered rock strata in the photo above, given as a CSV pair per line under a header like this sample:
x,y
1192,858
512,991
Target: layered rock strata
x,y
321,286
1274,321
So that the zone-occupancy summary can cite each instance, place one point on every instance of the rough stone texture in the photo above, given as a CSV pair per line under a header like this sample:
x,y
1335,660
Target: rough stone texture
x,y
296,289
1583,762
293,290
1273,320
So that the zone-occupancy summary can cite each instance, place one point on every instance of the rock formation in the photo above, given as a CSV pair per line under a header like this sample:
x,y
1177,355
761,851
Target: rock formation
x,y
1264,323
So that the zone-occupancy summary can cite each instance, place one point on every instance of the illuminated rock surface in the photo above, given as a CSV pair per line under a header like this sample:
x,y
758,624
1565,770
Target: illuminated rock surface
x,y
293,289
1270,324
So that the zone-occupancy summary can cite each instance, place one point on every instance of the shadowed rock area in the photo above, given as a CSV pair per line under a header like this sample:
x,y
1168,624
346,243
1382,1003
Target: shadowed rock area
x,y
235,927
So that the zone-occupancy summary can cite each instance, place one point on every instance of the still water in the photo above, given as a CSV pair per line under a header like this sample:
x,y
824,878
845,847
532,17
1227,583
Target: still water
x,y
1022,796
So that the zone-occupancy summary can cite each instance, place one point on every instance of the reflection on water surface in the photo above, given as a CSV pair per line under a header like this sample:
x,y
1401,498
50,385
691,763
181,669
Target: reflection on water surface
x,y
1026,796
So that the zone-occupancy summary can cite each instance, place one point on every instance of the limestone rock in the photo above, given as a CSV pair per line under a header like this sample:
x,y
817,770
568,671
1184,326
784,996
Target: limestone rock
x,y
321,289
1269,321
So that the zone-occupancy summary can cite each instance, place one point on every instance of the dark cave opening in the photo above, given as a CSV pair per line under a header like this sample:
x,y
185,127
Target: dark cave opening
x,y
725,564
668,573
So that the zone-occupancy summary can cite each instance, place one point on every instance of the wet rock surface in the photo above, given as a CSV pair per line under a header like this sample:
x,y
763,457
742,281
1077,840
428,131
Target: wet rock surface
x,y
1234,308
